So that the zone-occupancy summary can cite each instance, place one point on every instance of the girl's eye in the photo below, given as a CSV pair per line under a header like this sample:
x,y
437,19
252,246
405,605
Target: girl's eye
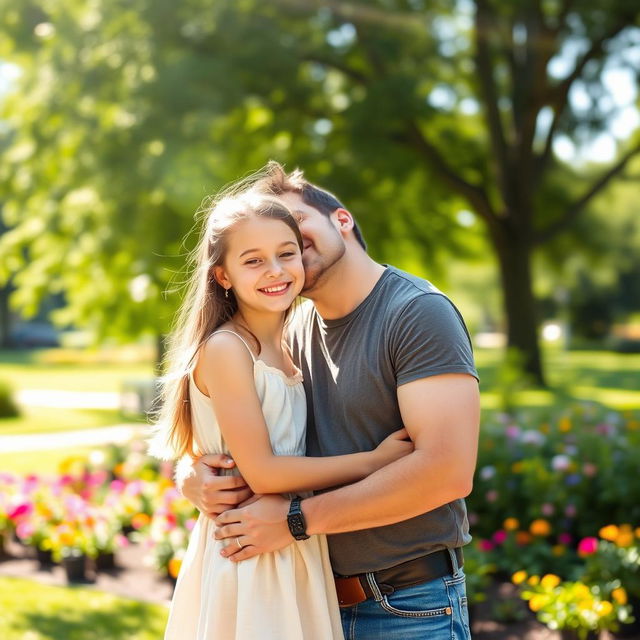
x,y
252,261
288,254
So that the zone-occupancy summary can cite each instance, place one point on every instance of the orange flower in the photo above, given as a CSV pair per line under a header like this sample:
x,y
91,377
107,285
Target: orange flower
x,y
619,595
624,539
517,467
174,566
533,581
511,524
523,538
564,425
540,527
610,532
140,520
558,550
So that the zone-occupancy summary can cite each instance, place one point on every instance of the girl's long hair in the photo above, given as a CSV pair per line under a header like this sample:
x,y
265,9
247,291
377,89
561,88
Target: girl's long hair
x,y
204,308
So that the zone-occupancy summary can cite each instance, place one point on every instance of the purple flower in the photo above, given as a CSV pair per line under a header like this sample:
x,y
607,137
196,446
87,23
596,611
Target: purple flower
x,y
570,510
573,479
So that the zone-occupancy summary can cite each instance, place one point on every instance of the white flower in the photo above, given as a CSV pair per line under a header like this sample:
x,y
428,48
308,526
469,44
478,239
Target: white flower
x,y
486,473
560,462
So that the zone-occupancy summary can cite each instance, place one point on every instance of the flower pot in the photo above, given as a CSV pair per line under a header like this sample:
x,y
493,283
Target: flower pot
x,y
75,568
44,558
105,561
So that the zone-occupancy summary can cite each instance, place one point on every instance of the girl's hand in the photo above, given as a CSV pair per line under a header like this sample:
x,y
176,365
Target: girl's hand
x,y
393,447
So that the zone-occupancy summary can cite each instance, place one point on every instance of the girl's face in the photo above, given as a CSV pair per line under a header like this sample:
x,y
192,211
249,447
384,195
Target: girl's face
x,y
263,264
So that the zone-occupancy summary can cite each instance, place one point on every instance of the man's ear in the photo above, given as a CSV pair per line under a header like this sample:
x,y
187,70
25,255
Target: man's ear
x,y
220,276
344,220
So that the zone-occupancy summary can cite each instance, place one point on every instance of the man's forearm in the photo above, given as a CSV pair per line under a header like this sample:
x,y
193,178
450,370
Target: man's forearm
x,y
404,489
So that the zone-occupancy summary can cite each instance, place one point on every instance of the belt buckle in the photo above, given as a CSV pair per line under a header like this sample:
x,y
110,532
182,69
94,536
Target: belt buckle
x,y
349,591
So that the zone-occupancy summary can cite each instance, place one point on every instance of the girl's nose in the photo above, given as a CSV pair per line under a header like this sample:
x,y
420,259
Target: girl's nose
x,y
274,269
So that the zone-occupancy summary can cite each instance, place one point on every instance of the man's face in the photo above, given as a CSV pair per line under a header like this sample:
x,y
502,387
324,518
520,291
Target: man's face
x,y
323,244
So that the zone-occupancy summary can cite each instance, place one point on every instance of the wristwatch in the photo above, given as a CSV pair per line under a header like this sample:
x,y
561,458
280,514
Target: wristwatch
x,y
295,520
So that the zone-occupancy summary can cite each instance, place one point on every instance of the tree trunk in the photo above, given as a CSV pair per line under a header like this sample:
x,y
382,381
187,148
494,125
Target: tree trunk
x,y
514,256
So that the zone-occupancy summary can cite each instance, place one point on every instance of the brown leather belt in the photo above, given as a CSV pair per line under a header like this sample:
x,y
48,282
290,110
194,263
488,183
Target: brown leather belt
x,y
355,589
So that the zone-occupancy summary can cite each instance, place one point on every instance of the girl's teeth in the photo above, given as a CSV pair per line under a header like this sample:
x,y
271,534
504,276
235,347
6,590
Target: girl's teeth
x,y
275,289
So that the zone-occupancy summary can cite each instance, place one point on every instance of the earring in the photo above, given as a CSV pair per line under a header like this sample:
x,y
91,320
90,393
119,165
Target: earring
x,y
226,293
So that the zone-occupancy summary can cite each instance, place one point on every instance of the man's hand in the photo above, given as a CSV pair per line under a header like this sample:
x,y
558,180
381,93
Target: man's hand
x,y
199,482
260,526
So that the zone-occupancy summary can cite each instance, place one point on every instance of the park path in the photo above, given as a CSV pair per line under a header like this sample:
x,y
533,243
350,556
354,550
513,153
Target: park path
x,y
117,434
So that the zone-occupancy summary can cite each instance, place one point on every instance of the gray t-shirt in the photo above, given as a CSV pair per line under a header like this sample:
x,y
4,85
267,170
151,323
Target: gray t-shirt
x,y
405,329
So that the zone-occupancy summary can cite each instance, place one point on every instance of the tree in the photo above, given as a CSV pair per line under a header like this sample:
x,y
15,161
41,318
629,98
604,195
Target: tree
x,y
130,112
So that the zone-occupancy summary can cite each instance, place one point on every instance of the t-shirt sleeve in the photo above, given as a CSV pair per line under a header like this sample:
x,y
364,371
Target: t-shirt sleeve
x,y
428,338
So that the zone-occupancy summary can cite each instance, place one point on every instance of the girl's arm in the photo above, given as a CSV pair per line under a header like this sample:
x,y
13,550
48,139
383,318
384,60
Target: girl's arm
x,y
226,369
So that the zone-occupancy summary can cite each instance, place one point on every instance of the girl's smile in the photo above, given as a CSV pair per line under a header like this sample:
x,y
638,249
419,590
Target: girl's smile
x,y
263,265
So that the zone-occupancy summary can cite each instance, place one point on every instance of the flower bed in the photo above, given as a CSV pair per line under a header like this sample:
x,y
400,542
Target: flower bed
x,y
556,505
561,500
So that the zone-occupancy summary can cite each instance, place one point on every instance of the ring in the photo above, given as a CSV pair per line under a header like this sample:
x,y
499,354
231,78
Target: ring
x,y
238,542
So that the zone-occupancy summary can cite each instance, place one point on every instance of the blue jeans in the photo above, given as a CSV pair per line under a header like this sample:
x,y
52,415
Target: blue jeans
x,y
435,610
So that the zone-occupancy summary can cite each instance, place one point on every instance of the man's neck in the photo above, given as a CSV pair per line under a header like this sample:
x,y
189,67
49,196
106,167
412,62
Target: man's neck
x,y
347,284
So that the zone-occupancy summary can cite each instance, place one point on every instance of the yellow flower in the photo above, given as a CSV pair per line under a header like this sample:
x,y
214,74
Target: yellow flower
x,y
537,602
517,467
558,550
549,581
565,424
511,524
581,591
619,595
540,527
604,608
534,581
610,532
585,604
519,577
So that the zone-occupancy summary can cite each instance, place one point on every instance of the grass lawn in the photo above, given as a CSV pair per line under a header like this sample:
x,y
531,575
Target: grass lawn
x,y
57,369
610,379
31,611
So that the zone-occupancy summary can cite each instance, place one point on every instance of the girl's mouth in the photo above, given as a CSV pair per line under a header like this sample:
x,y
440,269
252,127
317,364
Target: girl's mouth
x,y
276,289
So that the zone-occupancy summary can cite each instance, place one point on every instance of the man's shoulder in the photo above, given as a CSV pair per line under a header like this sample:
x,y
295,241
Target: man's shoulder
x,y
403,287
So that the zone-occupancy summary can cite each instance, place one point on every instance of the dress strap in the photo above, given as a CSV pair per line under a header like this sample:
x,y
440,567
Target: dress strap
x,y
237,335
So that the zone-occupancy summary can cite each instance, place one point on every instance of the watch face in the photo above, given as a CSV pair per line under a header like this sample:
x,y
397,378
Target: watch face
x,y
296,522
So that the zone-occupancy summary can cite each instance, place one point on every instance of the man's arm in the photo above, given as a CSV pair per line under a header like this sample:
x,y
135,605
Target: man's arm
x,y
441,414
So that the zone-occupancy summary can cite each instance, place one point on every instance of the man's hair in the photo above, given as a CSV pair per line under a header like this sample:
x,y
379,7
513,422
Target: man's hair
x,y
274,180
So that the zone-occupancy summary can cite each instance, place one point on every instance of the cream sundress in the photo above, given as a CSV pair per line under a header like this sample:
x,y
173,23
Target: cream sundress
x,y
284,595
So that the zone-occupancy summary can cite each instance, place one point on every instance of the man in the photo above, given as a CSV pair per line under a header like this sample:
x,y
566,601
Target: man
x,y
379,348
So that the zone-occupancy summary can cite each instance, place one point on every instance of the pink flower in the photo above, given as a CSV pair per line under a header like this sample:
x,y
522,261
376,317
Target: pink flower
x,y
486,545
565,538
587,546
117,485
548,509
499,536
24,530
589,469
570,510
491,495
23,509
512,431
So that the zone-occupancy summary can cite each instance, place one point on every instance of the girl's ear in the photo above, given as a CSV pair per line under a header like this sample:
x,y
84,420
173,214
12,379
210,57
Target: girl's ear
x,y
221,278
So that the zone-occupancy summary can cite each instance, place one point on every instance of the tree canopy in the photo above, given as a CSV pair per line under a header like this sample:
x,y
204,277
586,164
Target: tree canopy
x,y
126,114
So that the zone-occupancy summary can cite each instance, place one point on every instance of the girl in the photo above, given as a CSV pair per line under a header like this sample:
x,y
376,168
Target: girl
x,y
234,389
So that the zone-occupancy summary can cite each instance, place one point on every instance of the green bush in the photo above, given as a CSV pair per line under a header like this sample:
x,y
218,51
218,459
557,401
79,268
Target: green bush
x,y
8,407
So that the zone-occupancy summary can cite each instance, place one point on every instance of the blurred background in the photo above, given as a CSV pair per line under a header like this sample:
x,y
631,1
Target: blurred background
x,y
490,146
